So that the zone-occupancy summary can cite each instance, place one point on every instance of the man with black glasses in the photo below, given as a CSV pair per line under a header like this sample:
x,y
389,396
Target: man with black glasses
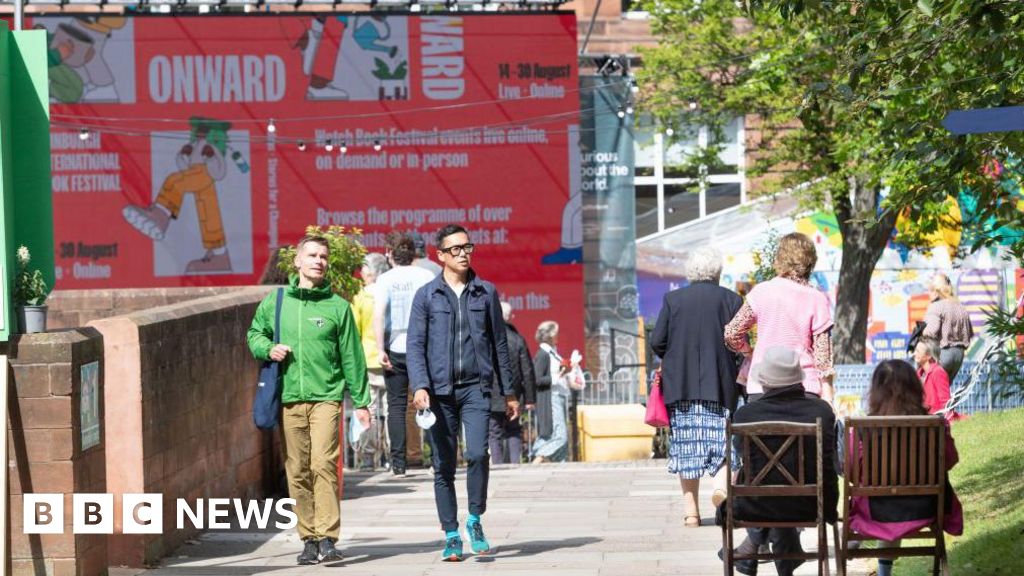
x,y
456,347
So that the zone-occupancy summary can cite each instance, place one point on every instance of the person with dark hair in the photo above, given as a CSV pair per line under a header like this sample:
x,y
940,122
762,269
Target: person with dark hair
x,y
897,391
392,306
272,273
321,357
457,347
502,429
422,260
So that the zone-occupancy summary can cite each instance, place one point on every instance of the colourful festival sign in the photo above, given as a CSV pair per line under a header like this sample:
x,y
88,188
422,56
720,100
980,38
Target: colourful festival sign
x,y
406,123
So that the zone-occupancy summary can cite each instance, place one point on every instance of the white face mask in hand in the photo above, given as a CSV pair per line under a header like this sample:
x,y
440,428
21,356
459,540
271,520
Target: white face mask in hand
x,y
425,418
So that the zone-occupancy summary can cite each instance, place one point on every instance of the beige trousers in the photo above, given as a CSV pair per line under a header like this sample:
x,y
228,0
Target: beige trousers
x,y
310,432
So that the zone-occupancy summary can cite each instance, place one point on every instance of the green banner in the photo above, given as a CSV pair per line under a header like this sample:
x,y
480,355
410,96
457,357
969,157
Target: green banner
x,y
609,239
24,160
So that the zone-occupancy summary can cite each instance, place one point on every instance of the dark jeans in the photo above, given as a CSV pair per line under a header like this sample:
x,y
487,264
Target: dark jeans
x,y
469,407
396,380
502,429
783,541
951,359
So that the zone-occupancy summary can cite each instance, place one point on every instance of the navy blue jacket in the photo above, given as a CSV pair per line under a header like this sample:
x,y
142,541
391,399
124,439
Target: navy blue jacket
x,y
690,338
429,342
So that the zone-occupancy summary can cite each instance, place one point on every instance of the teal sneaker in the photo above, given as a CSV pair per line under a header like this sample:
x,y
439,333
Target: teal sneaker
x,y
477,538
452,550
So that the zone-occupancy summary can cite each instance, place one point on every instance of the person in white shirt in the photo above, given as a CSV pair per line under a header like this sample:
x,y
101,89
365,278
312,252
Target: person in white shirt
x,y
393,293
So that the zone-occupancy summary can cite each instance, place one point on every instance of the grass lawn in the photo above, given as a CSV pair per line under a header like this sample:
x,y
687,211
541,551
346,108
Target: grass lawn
x,y
990,483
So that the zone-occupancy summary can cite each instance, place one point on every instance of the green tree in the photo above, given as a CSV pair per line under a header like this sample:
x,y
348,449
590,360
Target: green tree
x,y
729,63
848,98
923,59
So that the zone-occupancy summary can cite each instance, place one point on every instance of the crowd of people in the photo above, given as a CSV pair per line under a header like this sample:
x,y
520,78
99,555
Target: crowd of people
x,y
432,350
768,357
429,349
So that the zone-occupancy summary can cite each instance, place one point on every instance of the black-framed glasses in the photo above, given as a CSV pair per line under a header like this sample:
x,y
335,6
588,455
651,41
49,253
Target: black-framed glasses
x,y
458,249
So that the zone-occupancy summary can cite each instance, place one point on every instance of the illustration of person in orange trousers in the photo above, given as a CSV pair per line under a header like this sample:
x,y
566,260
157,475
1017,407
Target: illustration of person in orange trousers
x,y
201,163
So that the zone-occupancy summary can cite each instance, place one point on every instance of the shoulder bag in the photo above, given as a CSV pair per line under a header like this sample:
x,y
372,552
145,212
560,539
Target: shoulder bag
x,y
266,405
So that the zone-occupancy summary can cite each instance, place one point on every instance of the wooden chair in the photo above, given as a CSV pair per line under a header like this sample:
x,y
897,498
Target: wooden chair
x,y
750,483
895,456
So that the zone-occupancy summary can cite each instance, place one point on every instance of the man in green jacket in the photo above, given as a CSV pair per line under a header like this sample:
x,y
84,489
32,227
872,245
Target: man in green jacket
x,y
321,356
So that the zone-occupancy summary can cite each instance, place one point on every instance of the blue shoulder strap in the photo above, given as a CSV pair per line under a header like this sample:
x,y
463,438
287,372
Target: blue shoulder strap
x,y
277,316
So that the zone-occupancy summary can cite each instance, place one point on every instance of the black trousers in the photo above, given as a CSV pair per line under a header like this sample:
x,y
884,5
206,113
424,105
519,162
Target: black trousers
x,y
396,381
783,541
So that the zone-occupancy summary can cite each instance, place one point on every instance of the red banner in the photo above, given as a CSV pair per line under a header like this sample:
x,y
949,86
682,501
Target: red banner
x,y
380,122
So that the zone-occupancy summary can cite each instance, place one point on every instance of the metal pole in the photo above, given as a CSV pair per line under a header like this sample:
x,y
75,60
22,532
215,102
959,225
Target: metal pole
x,y
988,388
19,9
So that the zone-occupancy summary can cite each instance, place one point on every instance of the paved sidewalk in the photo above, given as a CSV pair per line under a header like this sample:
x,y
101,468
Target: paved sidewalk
x,y
571,519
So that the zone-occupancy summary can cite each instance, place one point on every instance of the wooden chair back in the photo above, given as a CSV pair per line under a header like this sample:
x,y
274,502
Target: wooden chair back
x,y
783,474
896,456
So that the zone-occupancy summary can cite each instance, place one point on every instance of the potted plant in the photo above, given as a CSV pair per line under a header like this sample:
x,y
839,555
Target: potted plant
x,y
29,294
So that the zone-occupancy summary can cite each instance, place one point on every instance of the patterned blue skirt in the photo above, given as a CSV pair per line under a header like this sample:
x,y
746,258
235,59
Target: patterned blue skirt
x,y
697,442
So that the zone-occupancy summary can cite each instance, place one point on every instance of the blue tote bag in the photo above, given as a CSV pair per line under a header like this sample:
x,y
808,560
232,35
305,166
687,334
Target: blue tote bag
x,y
266,406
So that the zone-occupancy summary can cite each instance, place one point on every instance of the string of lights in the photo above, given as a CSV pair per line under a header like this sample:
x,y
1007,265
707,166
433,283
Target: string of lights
x,y
377,142
274,123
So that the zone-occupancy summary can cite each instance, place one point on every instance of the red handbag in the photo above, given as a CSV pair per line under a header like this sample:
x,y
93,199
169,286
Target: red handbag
x,y
657,414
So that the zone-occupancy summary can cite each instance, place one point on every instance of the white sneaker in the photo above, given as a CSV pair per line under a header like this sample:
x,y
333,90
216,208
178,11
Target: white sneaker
x,y
328,92
151,220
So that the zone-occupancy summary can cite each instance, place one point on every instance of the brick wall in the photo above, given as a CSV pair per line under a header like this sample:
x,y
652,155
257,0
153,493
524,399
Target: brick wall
x,y
44,444
72,308
179,399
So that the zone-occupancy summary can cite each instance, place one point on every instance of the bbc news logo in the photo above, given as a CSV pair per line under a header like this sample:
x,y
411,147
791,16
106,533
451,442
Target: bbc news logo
x,y
144,513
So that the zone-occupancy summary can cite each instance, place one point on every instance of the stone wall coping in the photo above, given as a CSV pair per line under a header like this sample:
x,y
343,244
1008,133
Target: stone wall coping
x,y
242,296
47,347
139,292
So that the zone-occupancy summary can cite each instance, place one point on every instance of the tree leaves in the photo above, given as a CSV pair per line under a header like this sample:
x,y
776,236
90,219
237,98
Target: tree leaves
x,y
925,6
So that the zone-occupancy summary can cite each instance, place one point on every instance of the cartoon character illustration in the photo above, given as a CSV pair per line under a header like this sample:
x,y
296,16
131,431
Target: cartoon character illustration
x,y
201,163
322,46
78,70
571,251
319,64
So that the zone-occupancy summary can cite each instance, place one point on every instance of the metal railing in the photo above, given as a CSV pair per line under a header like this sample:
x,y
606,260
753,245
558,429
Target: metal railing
x,y
993,391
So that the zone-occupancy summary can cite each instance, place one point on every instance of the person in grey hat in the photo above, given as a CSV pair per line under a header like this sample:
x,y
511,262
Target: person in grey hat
x,y
785,400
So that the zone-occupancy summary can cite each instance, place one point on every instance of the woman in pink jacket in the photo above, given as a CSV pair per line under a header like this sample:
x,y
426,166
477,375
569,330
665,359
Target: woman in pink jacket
x,y
791,313
933,376
896,391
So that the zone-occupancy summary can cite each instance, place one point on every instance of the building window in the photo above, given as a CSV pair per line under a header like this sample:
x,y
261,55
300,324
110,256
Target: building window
x,y
646,210
722,196
682,204
669,190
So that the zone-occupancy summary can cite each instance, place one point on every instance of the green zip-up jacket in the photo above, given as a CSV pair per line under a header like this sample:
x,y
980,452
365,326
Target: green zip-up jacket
x,y
327,355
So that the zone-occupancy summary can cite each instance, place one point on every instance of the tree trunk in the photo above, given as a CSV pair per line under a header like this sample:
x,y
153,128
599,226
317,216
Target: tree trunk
x,y
864,239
